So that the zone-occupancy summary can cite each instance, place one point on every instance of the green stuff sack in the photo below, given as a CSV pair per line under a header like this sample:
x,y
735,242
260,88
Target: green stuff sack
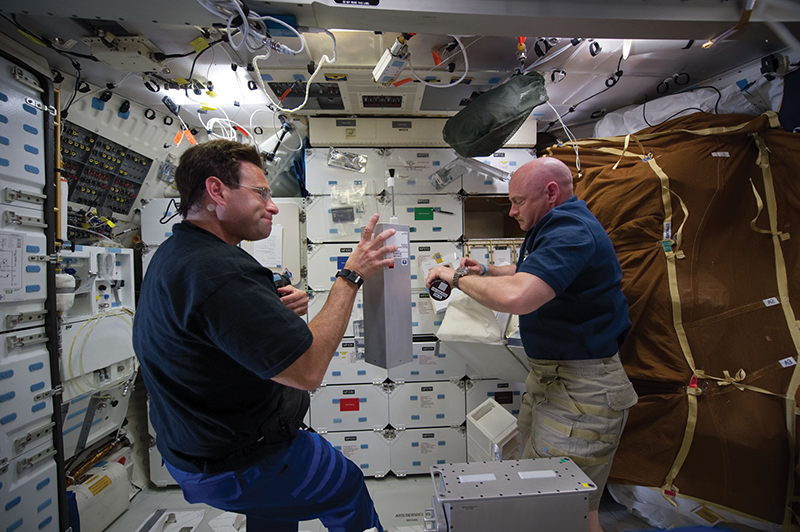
x,y
485,124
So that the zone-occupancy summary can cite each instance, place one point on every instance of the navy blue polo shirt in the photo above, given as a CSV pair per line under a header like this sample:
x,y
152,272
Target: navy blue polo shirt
x,y
588,318
210,332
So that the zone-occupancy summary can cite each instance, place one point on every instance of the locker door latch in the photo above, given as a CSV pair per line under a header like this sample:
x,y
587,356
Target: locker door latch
x,y
12,218
58,390
21,443
3,465
24,341
14,320
11,195
26,463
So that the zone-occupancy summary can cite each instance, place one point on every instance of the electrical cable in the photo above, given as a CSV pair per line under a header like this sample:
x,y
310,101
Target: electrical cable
x,y
323,59
716,106
95,321
615,77
46,42
453,84
572,139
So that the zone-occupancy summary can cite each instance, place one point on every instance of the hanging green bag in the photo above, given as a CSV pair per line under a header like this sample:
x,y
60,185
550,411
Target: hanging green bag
x,y
485,124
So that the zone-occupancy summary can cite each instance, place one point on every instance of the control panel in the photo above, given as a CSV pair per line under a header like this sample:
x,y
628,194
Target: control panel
x,y
101,173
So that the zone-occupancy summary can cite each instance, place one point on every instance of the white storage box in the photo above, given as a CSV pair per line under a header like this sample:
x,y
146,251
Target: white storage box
x,y
424,251
507,394
492,434
413,168
507,160
320,176
324,260
348,408
429,363
349,367
316,300
414,451
369,450
424,319
429,216
427,404
330,219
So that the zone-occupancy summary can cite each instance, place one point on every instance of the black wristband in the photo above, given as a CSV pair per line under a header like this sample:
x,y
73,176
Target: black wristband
x,y
351,276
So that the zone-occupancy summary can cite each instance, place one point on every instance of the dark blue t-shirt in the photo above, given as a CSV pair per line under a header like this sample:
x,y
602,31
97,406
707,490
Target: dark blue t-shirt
x,y
209,332
588,318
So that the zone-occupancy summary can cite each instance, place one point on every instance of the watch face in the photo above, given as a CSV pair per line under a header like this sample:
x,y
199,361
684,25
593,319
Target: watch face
x,y
462,271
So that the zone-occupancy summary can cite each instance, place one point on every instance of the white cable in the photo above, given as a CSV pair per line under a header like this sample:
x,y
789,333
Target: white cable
x,y
453,84
571,137
323,59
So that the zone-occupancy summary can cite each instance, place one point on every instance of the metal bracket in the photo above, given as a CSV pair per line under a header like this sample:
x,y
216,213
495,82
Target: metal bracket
x,y
14,320
21,443
40,106
11,195
19,75
24,341
43,258
58,390
26,463
12,218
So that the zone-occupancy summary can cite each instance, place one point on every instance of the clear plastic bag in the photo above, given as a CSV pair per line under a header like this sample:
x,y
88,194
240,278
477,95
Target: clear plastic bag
x,y
348,161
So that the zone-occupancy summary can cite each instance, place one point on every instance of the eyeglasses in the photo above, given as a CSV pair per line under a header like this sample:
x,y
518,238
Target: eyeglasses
x,y
264,192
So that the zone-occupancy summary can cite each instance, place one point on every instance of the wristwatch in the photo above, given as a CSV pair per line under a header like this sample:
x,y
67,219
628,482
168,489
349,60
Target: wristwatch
x,y
460,272
351,276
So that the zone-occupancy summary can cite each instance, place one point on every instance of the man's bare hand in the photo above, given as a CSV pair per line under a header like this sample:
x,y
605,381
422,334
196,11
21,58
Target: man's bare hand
x,y
371,254
294,299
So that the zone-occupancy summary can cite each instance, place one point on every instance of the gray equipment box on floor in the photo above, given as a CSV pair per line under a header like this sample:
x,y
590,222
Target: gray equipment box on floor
x,y
541,495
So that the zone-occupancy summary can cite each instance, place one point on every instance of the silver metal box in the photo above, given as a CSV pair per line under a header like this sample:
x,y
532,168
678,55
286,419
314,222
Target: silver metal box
x,y
387,306
541,495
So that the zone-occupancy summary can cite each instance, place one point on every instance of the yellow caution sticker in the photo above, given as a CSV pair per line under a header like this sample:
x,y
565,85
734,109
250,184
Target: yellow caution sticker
x,y
99,485
438,258
181,81
199,44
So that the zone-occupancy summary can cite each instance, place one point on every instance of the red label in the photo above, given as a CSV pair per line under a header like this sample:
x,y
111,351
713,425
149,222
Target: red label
x,y
349,405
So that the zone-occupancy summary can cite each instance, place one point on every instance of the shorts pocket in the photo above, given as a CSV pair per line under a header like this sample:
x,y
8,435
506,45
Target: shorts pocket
x,y
219,488
621,397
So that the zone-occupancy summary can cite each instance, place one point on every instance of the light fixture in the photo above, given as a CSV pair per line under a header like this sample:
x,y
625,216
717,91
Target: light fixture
x,y
648,46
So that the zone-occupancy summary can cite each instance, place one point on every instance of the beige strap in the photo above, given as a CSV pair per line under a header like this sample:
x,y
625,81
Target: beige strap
x,y
789,314
735,381
581,461
571,432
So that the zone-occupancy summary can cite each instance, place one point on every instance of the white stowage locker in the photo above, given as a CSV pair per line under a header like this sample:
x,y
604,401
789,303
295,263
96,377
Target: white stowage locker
x,y
324,260
424,319
429,363
349,407
363,165
348,366
414,451
508,160
340,217
507,394
429,216
422,252
413,169
369,450
29,477
316,300
427,404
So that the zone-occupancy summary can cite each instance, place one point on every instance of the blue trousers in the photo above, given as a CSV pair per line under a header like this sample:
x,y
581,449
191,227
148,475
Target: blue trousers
x,y
311,480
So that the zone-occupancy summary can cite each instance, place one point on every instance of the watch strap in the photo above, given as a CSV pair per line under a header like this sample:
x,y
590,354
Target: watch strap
x,y
351,276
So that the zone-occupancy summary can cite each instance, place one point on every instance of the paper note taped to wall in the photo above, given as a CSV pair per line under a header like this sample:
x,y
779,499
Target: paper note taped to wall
x,y
269,251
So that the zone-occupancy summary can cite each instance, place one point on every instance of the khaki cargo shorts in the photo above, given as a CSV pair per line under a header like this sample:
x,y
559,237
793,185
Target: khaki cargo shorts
x,y
577,408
